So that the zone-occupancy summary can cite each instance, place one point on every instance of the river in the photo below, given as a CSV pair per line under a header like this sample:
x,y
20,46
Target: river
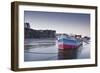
x,y
46,49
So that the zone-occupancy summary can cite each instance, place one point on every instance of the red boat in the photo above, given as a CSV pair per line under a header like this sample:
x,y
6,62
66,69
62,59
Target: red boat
x,y
68,42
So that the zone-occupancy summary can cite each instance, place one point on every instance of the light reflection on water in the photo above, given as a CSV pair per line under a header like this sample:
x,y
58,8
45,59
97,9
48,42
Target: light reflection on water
x,y
40,50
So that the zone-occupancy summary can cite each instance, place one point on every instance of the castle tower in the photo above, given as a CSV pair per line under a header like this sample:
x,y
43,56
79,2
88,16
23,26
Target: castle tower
x,y
26,25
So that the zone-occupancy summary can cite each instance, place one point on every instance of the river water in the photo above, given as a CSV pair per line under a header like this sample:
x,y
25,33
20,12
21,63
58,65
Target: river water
x,y
46,49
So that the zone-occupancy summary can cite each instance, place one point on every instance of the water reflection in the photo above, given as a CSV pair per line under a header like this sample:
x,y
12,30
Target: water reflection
x,y
67,54
40,50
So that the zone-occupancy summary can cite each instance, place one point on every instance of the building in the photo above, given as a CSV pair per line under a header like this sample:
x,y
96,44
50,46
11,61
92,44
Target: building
x,y
26,25
32,33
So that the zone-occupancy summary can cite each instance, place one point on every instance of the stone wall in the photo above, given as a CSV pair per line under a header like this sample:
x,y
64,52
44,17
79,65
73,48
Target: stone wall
x,y
32,33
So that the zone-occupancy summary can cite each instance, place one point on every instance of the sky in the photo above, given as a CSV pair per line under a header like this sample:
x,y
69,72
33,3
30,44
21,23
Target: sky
x,y
69,23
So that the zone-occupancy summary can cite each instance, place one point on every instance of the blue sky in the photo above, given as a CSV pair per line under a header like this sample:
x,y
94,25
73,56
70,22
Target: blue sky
x,y
71,23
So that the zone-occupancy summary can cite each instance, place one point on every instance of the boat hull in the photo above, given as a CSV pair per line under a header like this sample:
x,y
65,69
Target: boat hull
x,y
68,43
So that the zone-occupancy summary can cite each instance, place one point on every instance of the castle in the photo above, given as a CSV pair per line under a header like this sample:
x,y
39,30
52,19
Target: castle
x,y
32,33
